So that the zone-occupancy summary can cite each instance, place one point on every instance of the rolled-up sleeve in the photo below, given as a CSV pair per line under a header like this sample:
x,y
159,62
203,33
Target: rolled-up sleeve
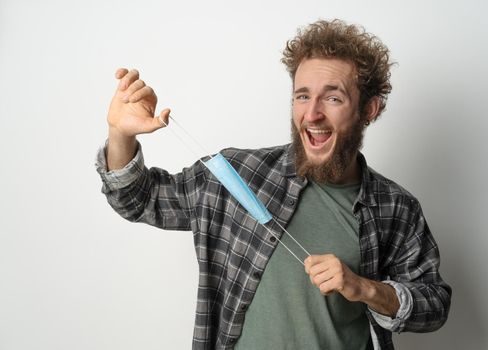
x,y
120,178
152,196
416,271
396,324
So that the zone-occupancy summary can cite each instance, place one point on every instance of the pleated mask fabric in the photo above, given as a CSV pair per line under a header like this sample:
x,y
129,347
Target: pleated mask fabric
x,y
233,182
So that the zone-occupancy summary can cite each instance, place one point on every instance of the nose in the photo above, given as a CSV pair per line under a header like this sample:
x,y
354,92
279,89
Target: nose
x,y
314,112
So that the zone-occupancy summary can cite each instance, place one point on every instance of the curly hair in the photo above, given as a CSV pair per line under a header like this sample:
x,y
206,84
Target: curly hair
x,y
336,39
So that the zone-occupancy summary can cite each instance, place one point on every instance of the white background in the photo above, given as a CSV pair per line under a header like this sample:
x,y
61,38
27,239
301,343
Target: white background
x,y
74,275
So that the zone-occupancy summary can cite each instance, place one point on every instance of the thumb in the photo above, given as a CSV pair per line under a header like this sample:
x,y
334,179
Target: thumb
x,y
160,121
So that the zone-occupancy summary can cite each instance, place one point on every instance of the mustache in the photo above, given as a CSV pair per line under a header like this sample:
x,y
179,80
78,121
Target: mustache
x,y
321,125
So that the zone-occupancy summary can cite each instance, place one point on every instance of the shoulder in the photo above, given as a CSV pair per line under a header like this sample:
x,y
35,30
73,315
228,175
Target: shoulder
x,y
388,192
255,158
261,166
386,185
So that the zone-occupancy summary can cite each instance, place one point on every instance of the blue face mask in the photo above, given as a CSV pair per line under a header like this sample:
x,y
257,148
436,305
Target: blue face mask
x,y
233,182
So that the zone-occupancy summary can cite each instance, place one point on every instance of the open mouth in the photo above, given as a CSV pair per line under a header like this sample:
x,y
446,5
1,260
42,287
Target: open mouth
x,y
318,137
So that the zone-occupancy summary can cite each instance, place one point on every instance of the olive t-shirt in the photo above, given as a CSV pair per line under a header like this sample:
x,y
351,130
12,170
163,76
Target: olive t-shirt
x,y
288,311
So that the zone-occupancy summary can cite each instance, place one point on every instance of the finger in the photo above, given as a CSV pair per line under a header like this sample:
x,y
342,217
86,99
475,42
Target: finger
x,y
312,260
159,121
151,124
312,269
144,92
327,287
120,73
163,118
307,264
135,86
128,79
316,259
319,268
322,277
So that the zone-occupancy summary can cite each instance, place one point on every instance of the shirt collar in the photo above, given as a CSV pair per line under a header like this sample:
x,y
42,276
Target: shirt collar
x,y
366,193
287,166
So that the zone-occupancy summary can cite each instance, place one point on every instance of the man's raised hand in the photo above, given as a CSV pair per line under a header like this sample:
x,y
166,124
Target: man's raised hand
x,y
133,106
131,113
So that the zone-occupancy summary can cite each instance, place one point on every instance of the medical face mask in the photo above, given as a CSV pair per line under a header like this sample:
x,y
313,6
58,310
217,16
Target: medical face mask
x,y
228,176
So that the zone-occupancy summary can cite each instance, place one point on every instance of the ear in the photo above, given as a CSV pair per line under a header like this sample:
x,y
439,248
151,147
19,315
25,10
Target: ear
x,y
372,109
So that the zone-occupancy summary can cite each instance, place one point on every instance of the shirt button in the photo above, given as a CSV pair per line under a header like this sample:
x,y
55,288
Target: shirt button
x,y
257,275
232,340
291,202
244,307
273,239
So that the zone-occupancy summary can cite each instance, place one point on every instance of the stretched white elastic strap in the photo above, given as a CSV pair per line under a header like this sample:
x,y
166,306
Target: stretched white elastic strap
x,y
182,141
289,234
283,244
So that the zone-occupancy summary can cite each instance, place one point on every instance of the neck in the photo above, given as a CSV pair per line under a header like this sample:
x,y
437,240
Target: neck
x,y
352,174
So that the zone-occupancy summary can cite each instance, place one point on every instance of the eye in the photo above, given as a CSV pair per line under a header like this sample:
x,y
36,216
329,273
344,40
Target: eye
x,y
301,97
334,99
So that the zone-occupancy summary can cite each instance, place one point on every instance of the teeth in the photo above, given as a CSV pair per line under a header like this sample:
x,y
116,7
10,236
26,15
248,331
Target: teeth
x,y
318,131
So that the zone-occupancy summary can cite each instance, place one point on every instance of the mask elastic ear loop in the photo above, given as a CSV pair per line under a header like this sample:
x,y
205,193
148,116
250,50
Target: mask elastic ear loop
x,y
183,141
203,148
284,245
289,235
189,135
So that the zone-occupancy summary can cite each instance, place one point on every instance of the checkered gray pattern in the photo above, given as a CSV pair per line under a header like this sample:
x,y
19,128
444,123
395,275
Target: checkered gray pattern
x,y
233,249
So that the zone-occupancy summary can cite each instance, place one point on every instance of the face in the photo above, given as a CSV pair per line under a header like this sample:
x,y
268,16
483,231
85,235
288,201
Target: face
x,y
327,127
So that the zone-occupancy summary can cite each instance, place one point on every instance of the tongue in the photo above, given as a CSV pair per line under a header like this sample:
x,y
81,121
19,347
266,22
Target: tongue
x,y
320,138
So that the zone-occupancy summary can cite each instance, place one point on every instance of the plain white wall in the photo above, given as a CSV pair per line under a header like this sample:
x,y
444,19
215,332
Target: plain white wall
x,y
74,275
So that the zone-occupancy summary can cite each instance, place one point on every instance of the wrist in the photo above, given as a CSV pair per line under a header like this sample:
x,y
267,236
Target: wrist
x,y
369,290
380,297
124,143
120,149
116,136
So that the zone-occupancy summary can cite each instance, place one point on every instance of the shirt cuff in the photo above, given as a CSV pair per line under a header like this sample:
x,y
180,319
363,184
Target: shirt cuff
x,y
120,178
396,324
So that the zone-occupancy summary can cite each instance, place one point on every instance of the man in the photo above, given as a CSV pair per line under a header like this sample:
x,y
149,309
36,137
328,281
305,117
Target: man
x,y
374,264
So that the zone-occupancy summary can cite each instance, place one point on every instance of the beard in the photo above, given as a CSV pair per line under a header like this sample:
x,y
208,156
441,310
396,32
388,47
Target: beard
x,y
347,145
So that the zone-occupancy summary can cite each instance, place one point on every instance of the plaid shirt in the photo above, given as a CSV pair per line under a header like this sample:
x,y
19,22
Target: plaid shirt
x,y
396,244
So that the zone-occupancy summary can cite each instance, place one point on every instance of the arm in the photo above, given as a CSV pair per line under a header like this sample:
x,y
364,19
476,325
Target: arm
x,y
152,196
416,269
137,193
415,298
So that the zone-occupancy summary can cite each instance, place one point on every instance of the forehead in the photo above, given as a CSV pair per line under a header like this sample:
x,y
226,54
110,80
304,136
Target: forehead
x,y
315,71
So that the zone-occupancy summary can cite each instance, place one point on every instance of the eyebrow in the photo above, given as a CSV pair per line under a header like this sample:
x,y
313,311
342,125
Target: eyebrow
x,y
326,88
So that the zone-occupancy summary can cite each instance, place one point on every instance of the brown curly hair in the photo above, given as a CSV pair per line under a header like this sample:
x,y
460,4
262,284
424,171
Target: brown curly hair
x,y
336,39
